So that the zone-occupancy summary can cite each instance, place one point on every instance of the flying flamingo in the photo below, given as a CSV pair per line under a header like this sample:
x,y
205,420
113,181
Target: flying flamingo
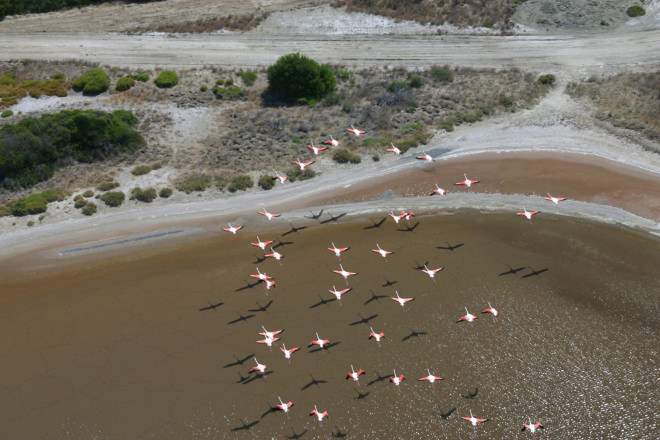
x,y
344,273
438,191
468,317
260,276
288,353
355,131
338,293
383,253
315,149
275,255
320,342
467,182
261,368
261,244
268,215
492,310
394,149
319,415
284,407
474,420
268,284
430,378
281,178
397,217
408,216
376,336
303,165
268,334
355,375
334,142
401,301
338,251
396,380
431,272
532,427
268,341
232,229
555,200
528,214
425,156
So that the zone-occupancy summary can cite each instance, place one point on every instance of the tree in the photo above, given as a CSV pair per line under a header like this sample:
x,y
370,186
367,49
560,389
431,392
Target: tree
x,y
297,78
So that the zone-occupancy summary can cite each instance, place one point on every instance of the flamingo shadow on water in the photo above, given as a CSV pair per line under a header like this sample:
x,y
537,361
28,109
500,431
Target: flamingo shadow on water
x,y
333,218
326,347
364,320
535,273
420,266
241,318
281,243
211,306
470,395
374,297
313,382
245,427
409,228
255,377
293,229
259,259
377,224
322,302
247,286
315,216
446,415
261,308
360,395
339,434
511,270
295,436
413,334
239,361
450,247
388,283
378,378
271,410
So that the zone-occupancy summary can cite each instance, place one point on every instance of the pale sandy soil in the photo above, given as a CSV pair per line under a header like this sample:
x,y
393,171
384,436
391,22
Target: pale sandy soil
x,y
556,128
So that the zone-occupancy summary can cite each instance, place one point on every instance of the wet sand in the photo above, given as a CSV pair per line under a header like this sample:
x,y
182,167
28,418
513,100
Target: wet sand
x,y
160,346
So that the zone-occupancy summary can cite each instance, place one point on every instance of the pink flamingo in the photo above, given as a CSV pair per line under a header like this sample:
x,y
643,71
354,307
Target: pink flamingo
x,y
284,407
288,353
438,191
401,301
430,378
467,182
339,293
492,310
396,380
532,427
468,317
376,336
344,273
261,244
426,157
332,141
528,214
431,272
383,253
316,150
338,251
394,150
355,131
232,229
355,375
475,421
319,415
320,342
555,200
281,178
269,215
275,255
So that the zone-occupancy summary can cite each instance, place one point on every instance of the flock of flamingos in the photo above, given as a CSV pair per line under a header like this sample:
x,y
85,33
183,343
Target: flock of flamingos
x,y
270,337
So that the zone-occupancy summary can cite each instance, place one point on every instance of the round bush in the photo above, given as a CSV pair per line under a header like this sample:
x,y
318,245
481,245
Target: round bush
x,y
92,82
165,193
144,195
124,83
88,193
142,77
266,181
345,156
442,74
113,198
90,208
548,79
635,11
294,77
6,113
167,79
240,183
141,170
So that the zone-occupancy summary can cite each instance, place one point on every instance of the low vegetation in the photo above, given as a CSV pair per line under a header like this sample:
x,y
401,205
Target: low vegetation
x,y
18,7
32,149
248,77
144,195
635,11
89,208
240,183
166,79
93,82
548,79
239,22
141,170
113,198
13,88
295,78
165,193
196,183
266,181
32,204
345,156
124,83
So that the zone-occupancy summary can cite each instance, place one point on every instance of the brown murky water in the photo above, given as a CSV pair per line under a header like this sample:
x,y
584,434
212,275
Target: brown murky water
x,y
160,348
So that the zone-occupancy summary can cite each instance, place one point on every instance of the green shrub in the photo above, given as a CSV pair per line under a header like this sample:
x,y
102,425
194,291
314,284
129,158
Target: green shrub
x,y
220,82
342,74
220,182
442,74
447,124
229,82
113,198
248,77
36,204
79,201
90,208
203,88
167,79
92,82
89,193
144,195
375,157
142,77
240,183
165,193
156,166
54,195
297,174
194,183
548,79
635,11
124,83
345,156
141,170
505,101
229,92
331,99
396,86
107,186
30,223
266,181
415,81
6,113
58,75
295,76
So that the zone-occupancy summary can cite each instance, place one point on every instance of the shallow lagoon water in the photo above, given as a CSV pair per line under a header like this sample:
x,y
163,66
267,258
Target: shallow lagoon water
x,y
160,346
